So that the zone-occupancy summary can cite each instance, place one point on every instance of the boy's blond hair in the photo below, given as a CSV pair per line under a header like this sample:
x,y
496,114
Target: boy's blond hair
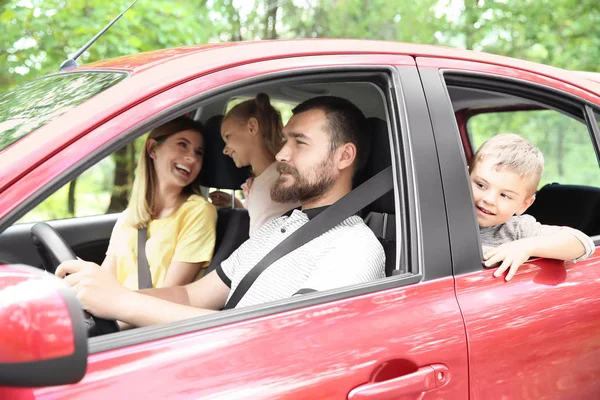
x,y
517,154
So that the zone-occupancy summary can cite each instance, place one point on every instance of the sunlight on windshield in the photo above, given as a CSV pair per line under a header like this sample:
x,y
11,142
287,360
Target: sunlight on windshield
x,y
33,105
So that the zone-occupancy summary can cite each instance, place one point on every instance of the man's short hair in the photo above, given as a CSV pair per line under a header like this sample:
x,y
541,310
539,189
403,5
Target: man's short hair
x,y
345,124
517,154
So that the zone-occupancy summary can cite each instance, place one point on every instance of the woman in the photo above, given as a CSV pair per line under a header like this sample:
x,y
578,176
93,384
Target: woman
x,y
165,199
252,134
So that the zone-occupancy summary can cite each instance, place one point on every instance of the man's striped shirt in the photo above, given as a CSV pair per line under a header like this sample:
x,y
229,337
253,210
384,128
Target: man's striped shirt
x,y
345,255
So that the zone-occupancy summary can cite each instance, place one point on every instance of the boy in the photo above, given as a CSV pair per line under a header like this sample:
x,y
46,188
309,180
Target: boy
x,y
505,173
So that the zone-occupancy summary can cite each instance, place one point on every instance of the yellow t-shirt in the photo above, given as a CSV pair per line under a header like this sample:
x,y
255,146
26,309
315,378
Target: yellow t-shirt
x,y
187,235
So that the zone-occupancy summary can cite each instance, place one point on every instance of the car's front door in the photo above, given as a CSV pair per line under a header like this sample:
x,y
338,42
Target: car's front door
x,y
535,336
399,338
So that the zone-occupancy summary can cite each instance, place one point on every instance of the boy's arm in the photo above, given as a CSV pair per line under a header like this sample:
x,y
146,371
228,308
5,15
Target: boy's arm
x,y
561,243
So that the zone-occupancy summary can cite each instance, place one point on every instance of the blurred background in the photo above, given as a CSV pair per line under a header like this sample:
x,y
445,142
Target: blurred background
x,y
38,35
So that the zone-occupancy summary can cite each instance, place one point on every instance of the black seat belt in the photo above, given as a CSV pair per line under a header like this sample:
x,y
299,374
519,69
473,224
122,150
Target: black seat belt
x,y
144,276
356,200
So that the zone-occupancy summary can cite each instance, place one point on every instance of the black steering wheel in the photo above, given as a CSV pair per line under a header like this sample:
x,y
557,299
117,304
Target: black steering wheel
x,y
54,250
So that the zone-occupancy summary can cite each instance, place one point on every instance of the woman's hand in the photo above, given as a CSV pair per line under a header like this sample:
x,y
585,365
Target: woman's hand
x,y
97,289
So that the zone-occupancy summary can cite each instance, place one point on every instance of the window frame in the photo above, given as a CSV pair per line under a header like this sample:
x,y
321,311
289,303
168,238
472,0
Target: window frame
x,y
310,75
436,82
401,161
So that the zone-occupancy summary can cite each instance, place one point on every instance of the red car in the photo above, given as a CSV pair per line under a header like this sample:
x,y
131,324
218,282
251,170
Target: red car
x,y
440,326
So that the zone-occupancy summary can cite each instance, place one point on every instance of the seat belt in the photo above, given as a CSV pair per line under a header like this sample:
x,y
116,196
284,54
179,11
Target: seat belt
x,y
350,204
144,276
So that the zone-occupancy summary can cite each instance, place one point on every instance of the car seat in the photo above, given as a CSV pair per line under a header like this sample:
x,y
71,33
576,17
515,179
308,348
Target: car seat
x,y
219,171
576,206
380,215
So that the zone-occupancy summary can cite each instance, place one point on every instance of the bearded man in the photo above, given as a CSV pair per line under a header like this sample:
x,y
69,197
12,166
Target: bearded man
x,y
325,145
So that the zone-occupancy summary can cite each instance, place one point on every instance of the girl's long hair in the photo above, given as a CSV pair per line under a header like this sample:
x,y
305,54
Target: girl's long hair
x,y
268,117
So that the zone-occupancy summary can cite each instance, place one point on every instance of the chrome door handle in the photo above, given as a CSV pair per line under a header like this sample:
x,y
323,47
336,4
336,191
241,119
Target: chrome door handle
x,y
422,380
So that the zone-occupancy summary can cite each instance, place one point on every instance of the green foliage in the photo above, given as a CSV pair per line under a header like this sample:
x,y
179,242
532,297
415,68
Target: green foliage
x,y
38,35
564,141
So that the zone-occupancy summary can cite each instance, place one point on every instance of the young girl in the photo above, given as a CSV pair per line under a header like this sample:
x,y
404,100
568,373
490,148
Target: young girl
x,y
252,134
180,223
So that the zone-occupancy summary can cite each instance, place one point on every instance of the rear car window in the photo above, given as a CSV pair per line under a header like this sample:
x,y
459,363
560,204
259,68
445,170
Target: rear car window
x,y
569,155
36,103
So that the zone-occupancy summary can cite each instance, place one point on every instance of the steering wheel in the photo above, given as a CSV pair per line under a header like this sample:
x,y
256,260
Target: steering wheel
x,y
54,250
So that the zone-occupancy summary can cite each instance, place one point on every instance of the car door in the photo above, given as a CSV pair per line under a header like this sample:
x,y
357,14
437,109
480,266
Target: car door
x,y
535,336
402,337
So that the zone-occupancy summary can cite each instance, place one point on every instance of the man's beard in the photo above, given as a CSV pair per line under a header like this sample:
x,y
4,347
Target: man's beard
x,y
303,188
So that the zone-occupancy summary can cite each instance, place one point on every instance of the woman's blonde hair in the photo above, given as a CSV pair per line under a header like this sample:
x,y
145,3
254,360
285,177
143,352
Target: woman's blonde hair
x,y
140,210
268,117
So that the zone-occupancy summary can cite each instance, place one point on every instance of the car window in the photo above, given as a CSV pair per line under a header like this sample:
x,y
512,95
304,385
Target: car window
x,y
565,142
33,105
102,189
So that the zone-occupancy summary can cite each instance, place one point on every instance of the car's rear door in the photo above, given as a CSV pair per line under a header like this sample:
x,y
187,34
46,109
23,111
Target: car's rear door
x,y
399,338
535,336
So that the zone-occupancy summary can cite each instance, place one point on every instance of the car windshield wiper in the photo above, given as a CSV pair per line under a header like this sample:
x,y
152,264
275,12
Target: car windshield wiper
x,y
70,63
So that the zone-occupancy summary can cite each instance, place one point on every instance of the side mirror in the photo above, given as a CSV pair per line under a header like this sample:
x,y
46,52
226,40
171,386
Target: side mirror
x,y
44,337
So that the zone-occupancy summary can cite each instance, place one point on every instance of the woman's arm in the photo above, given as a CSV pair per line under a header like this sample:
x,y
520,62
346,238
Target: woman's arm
x,y
194,246
180,273
110,264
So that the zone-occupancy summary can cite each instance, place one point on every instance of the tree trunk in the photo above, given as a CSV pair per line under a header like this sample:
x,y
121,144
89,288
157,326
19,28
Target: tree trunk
x,y
471,15
560,153
270,22
120,192
71,197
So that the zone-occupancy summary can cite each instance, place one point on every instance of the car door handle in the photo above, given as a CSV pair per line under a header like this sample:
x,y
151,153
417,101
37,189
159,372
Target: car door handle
x,y
422,380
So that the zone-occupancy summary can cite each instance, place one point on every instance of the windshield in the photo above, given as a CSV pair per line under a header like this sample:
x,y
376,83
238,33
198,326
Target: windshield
x,y
36,103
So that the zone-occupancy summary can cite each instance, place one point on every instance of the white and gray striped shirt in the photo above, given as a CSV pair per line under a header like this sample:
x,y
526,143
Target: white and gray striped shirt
x,y
345,255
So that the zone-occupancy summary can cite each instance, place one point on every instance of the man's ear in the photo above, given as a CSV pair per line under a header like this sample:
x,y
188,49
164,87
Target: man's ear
x,y
346,155
151,148
526,204
252,125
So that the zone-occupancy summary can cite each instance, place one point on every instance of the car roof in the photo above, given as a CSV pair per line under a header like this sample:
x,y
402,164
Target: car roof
x,y
594,76
154,72
234,53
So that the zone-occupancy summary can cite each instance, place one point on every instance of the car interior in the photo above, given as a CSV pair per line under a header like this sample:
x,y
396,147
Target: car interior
x,y
220,172
88,236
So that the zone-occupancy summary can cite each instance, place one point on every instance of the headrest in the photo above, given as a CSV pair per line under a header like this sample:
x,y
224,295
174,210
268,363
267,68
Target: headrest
x,y
219,170
576,206
379,159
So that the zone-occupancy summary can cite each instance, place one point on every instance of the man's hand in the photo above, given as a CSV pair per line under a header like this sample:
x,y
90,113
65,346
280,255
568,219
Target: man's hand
x,y
98,291
512,255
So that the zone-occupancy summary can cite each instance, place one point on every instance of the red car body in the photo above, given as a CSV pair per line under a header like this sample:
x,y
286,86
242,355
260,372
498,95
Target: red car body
x,y
463,335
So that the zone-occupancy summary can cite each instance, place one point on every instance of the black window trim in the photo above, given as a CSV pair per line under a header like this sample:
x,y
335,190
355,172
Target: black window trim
x,y
548,97
439,79
142,335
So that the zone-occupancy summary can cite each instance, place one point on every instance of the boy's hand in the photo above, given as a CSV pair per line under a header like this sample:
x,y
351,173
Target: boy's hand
x,y
512,255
